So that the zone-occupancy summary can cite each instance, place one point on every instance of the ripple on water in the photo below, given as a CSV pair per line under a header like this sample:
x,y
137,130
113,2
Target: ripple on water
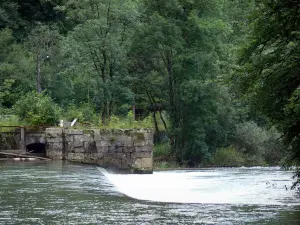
x,y
55,193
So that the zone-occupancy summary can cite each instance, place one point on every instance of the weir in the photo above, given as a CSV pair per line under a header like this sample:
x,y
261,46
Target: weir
x,y
127,150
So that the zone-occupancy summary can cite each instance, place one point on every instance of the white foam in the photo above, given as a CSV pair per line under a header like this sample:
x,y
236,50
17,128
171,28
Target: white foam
x,y
255,186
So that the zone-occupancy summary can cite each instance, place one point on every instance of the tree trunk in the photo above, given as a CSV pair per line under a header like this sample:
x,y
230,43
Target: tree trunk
x,y
155,121
38,74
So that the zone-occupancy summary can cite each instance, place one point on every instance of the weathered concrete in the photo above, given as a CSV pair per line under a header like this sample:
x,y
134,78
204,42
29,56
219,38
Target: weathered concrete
x,y
10,140
18,138
122,149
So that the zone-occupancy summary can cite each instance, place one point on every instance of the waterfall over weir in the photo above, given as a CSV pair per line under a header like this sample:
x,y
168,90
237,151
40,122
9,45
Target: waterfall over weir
x,y
217,186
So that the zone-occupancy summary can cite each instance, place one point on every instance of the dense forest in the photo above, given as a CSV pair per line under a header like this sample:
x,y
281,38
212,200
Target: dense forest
x,y
217,79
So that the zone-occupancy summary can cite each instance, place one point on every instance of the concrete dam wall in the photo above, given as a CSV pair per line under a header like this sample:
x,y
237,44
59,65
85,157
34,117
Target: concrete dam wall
x,y
127,150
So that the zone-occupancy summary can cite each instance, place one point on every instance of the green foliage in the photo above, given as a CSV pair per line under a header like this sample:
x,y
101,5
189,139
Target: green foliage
x,y
174,60
9,16
269,68
259,145
175,56
37,109
162,150
128,122
96,52
228,157
165,165
7,119
16,68
84,113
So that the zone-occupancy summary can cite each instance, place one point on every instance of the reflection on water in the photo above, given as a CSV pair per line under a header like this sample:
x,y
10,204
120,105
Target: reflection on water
x,y
63,193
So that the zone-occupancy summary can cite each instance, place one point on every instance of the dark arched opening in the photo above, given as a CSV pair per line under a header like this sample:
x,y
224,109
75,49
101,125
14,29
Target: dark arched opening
x,y
36,148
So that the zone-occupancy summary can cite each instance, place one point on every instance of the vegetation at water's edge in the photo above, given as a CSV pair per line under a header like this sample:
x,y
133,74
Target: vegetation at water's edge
x,y
220,78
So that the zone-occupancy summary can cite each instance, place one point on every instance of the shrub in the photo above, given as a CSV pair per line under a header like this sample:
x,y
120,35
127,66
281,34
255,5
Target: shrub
x,y
250,138
166,165
162,150
129,122
84,113
37,109
230,157
261,146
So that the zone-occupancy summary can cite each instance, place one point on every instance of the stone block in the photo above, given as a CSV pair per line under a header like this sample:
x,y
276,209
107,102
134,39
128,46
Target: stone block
x,y
130,156
54,131
98,137
100,155
57,139
125,164
147,163
73,131
78,144
99,161
112,162
87,155
96,132
128,149
120,155
87,137
55,146
69,138
102,143
138,164
143,154
79,150
90,147
55,155
141,149
78,138
76,157
149,142
115,149
124,140
69,146
102,149
138,137
148,136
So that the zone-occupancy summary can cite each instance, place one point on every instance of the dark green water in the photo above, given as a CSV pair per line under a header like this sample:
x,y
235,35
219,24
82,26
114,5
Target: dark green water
x,y
63,193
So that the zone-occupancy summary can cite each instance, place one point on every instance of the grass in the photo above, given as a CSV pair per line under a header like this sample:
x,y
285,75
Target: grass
x,y
162,150
7,124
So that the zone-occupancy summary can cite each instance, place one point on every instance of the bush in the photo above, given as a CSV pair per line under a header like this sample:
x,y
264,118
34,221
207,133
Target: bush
x,y
162,150
166,165
37,109
250,138
229,157
261,146
129,122
84,113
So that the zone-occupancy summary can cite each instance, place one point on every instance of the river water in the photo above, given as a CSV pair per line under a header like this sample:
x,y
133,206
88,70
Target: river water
x,y
64,193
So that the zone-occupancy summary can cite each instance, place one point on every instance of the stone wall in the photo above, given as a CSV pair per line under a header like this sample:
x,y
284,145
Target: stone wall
x,y
122,149
10,140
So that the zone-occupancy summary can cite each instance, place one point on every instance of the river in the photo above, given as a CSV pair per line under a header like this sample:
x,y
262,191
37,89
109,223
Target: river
x,y
65,193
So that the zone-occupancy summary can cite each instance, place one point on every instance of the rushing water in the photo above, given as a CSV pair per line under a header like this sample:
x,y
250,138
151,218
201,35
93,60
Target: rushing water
x,y
63,193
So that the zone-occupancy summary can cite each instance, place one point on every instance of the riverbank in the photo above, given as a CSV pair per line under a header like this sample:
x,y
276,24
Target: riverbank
x,y
172,165
165,159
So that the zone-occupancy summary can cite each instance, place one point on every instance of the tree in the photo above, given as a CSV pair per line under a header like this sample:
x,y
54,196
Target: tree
x,y
9,16
16,69
43,42
98,45
37,109
177,46
270,73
